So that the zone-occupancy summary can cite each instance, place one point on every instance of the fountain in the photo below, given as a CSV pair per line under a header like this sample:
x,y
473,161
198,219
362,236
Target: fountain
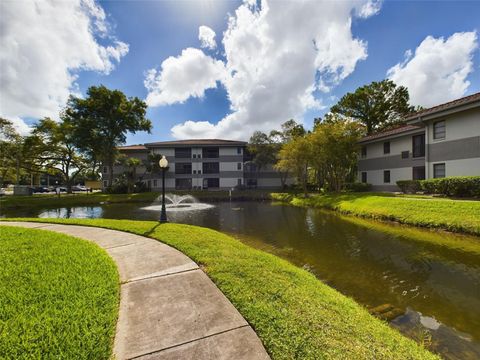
x,y
174,202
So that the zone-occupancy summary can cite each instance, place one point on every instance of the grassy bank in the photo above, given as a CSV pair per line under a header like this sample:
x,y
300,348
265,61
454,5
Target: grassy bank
x,y
295,315
17,202
447,214
58,297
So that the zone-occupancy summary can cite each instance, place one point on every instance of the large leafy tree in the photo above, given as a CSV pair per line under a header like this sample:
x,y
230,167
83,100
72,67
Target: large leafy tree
x,y
263,149
102,121
11,151
334,148
294,157
54,147
378,105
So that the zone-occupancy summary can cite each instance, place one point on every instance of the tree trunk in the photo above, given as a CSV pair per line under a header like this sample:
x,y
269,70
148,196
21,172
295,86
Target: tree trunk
x,y
110,173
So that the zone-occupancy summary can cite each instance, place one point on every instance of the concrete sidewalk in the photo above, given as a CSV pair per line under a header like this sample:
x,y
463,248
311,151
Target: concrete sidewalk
x,y
169,308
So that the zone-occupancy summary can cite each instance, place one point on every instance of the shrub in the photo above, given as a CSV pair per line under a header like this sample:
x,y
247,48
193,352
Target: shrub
x,y
409,186
461,186
358,187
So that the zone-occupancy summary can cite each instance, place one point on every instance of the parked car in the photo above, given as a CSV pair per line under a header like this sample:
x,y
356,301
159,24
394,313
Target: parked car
x,y
2,191
79,188
39,189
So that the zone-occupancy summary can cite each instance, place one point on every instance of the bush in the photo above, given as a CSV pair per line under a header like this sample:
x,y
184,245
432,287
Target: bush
x,y
409,186
460,186
358,187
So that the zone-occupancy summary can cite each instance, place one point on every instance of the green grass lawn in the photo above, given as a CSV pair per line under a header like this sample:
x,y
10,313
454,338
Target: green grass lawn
x,y
448,214
58,297
296,315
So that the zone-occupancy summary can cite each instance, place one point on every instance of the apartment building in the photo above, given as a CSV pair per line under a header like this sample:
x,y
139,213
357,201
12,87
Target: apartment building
x,y
437,142
201,164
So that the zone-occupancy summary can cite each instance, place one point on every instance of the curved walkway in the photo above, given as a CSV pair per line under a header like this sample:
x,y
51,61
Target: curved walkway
x,y
169,308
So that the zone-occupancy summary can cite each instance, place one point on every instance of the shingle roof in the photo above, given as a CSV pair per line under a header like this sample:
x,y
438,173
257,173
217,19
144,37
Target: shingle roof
x,y
198,142
442,107
396,131
132,147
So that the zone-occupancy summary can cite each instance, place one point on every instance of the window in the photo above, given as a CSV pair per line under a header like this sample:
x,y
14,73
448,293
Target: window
x,y
405,154
183,168
210,152
418,145
418,173
105,170
105,183
194,156
154,183
211,167
252,183
364,177
183,153
386,147
199,171
386,176
239,150
250,167
239,181
183,184
439,170
239,166
439,130
211,183
194,171
364,151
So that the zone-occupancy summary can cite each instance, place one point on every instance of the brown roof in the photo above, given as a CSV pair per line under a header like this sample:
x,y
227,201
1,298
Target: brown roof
x,y
132,147
198,142
449,105
396,131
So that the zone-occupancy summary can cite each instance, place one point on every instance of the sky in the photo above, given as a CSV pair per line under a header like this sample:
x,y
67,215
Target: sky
x,y
223,69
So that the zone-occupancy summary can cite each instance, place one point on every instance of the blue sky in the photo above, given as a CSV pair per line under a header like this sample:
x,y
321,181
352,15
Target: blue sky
x,y
157,30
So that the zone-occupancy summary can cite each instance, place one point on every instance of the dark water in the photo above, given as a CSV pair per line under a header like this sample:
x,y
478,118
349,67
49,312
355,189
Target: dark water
x,y
434,288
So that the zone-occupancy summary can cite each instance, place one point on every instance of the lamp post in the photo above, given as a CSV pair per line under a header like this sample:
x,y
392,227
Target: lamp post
x,y
163,163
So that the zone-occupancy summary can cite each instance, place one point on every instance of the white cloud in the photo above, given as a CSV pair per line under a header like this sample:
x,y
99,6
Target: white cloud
x,y
370,8
437,72
187,75
206,37
44,44
278,56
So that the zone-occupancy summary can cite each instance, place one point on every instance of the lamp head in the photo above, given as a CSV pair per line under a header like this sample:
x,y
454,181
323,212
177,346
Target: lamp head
x,y
163,162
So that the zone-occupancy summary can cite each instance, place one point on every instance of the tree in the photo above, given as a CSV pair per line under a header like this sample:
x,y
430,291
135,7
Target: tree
x,y
54,147
131,173
11,146
377,105
295,157
334,149
263,149
290,130
102,121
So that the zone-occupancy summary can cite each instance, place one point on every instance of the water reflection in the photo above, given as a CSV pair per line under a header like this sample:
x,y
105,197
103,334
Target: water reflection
x,y
432,277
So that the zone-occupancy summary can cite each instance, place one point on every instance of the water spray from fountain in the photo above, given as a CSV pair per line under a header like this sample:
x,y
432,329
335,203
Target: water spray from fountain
x,y
174,202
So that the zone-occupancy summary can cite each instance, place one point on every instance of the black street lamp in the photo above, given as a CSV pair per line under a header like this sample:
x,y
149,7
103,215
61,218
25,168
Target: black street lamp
x,y
163,163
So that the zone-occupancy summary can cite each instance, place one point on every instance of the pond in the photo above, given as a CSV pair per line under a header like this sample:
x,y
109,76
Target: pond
x,y
425,283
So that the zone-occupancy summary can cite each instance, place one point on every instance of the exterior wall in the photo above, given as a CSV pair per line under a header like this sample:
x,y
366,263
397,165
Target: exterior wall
x,y
376,162
375,177
229,151
463,167
460,150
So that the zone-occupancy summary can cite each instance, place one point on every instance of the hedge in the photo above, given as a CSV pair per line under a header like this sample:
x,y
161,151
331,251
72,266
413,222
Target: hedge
x,y
460,186
358,187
